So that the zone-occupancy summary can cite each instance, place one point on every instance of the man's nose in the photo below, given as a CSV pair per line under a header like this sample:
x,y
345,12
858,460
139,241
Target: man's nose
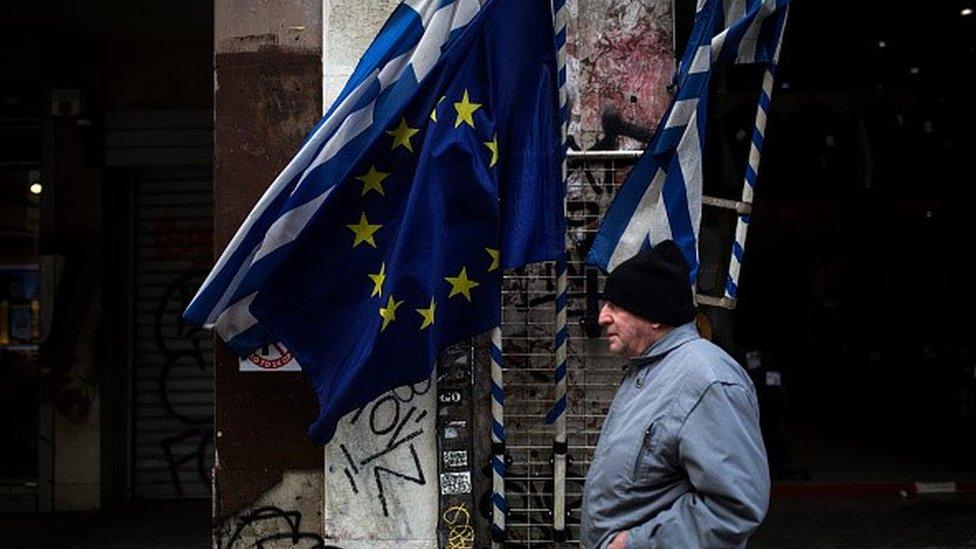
x,y
604,318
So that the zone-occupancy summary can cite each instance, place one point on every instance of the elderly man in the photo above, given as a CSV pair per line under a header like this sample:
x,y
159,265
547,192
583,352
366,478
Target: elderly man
x,y
680,461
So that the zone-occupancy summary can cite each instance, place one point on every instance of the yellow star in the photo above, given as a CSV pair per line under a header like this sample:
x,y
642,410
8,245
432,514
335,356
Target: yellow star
x,y
378,279
460,284
373,180
388,313
364,231
493,147
428,314
495,257
433,113
402,135
465,111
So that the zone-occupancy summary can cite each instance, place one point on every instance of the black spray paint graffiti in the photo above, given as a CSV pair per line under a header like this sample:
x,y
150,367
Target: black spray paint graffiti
x,y
395,429
273,527
187,358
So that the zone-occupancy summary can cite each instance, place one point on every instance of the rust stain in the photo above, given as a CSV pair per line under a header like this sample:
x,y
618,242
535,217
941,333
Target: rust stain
x,y
266,103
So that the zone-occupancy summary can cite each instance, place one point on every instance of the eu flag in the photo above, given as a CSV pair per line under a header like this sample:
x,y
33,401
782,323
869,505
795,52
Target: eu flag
x,y
400,251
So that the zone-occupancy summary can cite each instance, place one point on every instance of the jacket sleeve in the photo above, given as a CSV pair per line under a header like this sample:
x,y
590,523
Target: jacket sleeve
x,y
720,447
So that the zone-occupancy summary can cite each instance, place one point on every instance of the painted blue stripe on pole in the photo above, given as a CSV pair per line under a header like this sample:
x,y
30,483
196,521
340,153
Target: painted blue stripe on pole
x,y
730,287
764,101
561,300
498,394
498,464
500,502
757,138
561,336
745,218
498,431
560,371
561,37
751,176
496,355
738,251
557,409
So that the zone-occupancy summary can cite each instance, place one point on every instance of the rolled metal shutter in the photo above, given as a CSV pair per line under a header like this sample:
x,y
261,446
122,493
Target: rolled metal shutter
x,y
173,361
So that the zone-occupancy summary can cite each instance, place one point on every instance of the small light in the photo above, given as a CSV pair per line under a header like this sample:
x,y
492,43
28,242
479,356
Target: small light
x,y
36,188
914,70
966,11
785,85
882,44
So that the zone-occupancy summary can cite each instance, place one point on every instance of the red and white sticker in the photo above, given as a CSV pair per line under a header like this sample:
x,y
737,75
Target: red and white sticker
x,y
272,358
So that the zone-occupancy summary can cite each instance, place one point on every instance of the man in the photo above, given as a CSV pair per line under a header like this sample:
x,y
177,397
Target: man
x,y
680,461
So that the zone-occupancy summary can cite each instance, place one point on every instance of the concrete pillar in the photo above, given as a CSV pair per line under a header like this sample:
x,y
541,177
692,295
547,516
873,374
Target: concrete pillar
x,y
268,94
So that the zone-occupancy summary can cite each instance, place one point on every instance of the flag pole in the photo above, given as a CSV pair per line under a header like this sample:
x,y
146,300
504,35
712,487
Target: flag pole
x,y
749,183
752,169
499,505
559,446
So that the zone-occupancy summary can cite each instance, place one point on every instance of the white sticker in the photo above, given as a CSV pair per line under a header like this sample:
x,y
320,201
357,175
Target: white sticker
x,y
773,379
456,458
455,483
272,358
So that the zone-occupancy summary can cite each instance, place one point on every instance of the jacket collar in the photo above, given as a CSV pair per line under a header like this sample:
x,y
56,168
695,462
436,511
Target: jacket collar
x,y
673,339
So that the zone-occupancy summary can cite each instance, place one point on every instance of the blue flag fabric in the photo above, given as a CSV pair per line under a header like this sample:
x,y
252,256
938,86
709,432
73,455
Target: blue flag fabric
x,y
369,266
662,195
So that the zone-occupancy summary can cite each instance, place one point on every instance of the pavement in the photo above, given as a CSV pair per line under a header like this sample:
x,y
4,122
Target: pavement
x,y
808,522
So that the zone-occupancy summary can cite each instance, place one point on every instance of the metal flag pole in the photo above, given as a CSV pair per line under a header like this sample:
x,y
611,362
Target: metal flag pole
x,y
749,184
752,171
499,505
559,446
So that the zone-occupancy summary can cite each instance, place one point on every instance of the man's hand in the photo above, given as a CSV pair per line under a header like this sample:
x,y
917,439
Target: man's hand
x,y
619,541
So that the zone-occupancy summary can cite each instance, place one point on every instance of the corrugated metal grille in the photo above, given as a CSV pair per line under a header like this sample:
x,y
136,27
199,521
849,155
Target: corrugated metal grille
x,y
593,376
173,377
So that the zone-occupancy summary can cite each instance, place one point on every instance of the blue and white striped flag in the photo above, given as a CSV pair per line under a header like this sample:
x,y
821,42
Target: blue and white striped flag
x,y
662,196
383,241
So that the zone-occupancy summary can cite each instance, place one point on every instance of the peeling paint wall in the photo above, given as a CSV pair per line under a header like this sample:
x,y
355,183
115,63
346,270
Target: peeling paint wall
x,y
620,62
288,515
267,75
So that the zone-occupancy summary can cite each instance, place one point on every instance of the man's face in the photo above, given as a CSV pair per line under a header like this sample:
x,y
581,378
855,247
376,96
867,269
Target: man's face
x,y
628,335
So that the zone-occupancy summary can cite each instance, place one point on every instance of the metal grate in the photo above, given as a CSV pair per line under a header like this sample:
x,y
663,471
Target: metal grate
x,y
593,376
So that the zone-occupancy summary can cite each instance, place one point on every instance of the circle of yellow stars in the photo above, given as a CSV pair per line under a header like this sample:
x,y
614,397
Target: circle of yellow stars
x,y
364,232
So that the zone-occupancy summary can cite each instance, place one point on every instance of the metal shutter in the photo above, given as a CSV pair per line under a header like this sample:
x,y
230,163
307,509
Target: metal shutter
x,y
173,362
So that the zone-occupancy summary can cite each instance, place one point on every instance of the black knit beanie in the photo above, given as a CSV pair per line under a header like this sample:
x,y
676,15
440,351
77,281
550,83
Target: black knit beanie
x,y
654,284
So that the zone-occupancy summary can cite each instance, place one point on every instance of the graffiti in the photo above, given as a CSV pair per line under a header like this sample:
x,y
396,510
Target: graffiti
x,y
174,242
395,421
273,527
184,362
460,532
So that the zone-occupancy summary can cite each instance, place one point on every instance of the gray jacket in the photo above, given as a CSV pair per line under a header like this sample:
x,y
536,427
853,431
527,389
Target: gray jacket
x,y
680,461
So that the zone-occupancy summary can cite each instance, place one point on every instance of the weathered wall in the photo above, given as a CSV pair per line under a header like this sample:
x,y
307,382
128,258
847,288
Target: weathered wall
x,y
620,61
267,79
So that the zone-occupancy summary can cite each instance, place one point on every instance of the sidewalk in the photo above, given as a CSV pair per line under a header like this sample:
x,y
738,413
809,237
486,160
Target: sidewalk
x,y
847,522
856,522
152,524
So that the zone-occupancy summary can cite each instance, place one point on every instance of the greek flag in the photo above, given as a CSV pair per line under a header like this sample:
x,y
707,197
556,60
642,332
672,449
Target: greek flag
x,y
383,241
662,196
